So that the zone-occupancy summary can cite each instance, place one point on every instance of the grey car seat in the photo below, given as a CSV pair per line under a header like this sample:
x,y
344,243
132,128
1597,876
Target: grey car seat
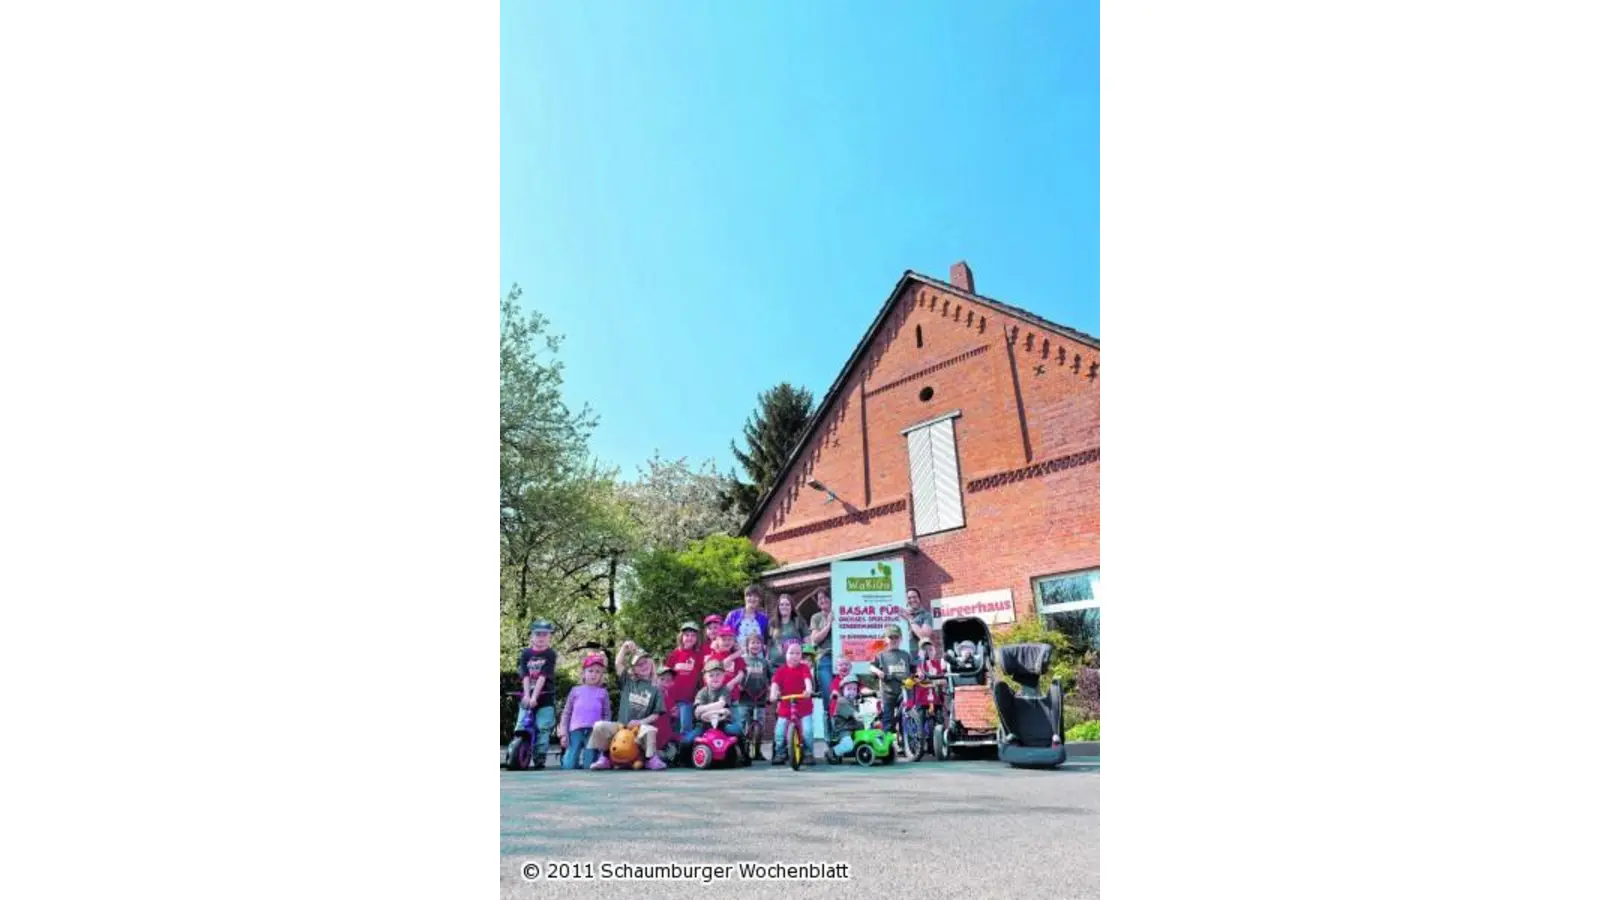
x,y
1030,719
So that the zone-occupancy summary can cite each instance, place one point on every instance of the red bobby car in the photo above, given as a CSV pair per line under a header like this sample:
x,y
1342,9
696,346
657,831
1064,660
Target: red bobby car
x,y
716,746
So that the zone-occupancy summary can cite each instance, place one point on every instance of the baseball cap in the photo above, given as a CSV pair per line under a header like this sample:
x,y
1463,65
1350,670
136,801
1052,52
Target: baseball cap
x,y
594,659
688,626
540,625
713,665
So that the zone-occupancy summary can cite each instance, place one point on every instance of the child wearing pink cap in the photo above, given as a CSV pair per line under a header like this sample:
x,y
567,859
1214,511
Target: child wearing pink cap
x,y
587,703
733,670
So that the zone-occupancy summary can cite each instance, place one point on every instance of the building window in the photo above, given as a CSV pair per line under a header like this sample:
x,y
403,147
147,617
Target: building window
x,y
1071,601
919,335
925,394
935,476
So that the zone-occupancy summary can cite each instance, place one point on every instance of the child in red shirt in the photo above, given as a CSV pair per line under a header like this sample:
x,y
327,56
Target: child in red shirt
x,y
733,666
841,670
723,650
930,668
666,724
685,663
792,678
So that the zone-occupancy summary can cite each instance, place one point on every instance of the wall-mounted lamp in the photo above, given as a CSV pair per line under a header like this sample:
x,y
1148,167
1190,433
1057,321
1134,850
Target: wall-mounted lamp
x,y
816,485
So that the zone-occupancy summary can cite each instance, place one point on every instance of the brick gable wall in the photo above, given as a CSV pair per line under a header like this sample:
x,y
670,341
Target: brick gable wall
x,y
1027,442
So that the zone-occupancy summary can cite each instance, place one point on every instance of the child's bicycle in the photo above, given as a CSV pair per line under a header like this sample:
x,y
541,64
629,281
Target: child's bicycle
x,y
920,730
796,733
519,753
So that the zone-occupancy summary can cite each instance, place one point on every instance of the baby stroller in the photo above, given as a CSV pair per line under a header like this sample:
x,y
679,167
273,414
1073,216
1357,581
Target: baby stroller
x,y
969,715
1030,720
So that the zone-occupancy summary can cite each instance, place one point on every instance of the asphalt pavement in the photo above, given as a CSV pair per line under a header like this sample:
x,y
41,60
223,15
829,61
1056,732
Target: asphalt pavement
x,y
971,828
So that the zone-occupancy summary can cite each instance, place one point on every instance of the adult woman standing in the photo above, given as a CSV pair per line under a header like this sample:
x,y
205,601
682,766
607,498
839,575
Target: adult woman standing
x,y
785,626
919,618
748,619
821,637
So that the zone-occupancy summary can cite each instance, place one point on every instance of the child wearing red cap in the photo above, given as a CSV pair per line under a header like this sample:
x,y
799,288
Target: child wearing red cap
x,y
733,669
587,703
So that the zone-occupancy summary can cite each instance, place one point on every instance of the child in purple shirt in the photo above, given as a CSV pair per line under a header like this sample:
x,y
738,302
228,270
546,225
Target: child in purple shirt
x,y
587,704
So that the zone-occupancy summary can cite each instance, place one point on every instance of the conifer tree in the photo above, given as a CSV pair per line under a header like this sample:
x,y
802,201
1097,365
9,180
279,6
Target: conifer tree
x,y
771,434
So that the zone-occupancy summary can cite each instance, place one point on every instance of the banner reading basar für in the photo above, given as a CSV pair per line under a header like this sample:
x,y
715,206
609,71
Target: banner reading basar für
x,y
867,596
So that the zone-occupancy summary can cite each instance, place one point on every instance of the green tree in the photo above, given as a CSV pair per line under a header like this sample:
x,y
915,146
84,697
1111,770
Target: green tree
x,y
564,527
673,586
770,434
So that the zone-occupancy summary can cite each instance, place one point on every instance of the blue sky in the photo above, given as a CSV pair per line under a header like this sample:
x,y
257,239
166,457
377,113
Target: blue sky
x,y
708,202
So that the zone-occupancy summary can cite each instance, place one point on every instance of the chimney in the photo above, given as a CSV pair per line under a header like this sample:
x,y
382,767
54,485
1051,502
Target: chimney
x,y
961,277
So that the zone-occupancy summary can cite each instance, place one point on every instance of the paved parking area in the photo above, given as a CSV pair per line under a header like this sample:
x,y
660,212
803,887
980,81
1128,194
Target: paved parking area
x,y
973,828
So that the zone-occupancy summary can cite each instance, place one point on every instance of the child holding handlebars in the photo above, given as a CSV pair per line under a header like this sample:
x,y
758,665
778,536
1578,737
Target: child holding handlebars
x,y
792,679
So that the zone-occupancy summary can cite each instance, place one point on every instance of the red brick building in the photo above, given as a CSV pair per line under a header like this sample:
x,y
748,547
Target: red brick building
x,y
963,438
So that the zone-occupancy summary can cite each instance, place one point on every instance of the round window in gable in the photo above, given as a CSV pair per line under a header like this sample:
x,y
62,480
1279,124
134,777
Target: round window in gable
x,y
925,395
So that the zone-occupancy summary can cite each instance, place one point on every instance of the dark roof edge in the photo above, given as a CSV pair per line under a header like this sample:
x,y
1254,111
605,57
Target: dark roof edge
x,y
1008,309
861,348
827,400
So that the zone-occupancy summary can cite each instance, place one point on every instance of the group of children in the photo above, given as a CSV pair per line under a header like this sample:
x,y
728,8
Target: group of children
x,y
698,688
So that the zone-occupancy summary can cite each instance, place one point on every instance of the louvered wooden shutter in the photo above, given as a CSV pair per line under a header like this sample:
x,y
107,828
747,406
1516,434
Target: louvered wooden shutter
x,y
924,494
946,474
935,478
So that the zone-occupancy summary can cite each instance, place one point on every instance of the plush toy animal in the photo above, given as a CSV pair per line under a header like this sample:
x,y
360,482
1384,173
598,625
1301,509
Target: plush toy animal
x,y
625,749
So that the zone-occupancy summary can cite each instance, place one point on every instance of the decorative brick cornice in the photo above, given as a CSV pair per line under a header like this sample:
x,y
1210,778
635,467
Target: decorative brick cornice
x,y
958,358
858,517
1070,461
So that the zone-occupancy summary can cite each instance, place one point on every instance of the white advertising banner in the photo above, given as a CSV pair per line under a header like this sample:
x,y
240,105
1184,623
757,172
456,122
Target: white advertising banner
x,y
993,607
867,596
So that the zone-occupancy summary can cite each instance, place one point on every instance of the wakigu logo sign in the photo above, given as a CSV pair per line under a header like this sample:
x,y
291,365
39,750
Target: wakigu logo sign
x,y
881,581
867,597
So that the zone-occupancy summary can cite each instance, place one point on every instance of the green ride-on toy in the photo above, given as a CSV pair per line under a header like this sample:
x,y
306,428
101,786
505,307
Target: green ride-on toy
x,y
866,745
869,745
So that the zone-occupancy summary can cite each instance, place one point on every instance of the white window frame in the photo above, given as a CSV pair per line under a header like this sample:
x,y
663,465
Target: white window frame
x,y
1038,593
955,454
